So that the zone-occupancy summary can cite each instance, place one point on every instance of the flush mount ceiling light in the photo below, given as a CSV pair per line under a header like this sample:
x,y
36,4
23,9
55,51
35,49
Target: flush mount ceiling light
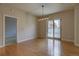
x,y
42,16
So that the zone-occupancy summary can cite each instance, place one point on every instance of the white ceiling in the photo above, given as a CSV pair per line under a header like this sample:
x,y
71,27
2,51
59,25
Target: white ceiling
x,y
35,8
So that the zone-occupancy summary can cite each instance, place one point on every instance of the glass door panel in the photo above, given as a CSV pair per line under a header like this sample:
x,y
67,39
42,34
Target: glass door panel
x,y
50,28
54,28
57,28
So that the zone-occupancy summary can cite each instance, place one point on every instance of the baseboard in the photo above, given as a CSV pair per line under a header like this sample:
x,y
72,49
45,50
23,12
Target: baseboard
x,y
2,46
67,40
76,44
19,41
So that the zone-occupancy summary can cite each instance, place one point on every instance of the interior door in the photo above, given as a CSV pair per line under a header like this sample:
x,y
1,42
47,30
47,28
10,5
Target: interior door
x,y
10,30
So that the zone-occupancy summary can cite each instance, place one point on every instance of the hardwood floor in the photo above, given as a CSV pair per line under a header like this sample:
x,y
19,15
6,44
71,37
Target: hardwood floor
x,y
40,47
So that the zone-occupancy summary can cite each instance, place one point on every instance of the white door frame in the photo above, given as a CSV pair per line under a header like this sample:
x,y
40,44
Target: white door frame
x,y
53,26
4,27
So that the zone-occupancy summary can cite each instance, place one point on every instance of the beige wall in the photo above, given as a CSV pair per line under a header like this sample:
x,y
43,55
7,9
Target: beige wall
x,y
67,25
76,24
26,23
41,29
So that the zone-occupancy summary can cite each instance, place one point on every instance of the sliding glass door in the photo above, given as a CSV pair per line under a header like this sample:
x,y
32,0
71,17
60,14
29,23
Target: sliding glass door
x,y
54,28
50,29
57,28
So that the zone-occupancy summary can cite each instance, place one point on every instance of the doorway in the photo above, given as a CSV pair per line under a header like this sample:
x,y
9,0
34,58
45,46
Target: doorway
x,y
54,29
10,30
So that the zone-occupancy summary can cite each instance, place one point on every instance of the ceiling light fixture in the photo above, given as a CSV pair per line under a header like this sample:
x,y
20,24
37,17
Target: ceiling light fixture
x,y
42,16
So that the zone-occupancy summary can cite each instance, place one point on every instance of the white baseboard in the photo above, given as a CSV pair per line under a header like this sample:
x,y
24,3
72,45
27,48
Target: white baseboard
x,y
2,46
67,40
19,41
76,44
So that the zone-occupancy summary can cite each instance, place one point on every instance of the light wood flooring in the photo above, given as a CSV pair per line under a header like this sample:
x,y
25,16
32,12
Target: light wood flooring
x,y
41,47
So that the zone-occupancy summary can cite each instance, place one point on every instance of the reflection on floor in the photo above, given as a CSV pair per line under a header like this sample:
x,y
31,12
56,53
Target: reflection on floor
x,y
40,47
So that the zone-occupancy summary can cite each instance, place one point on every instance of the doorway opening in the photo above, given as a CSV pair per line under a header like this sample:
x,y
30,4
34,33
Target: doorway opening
x,y
10,30
54,29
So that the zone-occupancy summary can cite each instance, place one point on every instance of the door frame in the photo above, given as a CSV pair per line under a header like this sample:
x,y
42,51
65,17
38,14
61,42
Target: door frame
x,y
3,25
53,30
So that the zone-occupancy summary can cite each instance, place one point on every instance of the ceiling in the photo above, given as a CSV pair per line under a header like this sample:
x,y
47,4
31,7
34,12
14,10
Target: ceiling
x,y
36,9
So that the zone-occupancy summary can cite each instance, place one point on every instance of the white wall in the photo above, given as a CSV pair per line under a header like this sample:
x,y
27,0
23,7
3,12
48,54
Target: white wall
x,y
26,23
